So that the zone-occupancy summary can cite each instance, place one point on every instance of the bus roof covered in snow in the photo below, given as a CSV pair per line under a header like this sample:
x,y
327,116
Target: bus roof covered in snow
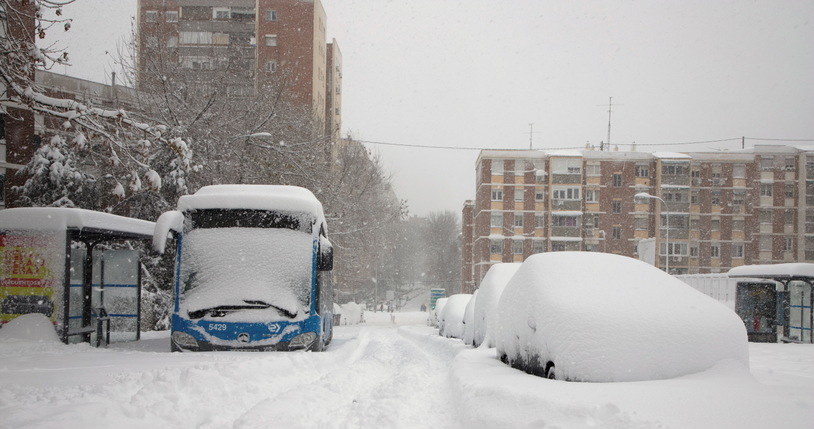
x,y
60,218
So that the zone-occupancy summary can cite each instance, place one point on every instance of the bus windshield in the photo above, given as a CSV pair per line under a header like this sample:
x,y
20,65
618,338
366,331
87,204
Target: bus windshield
x,y
247,274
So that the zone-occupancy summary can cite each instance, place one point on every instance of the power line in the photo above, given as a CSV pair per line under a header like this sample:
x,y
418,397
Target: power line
x,y
733,139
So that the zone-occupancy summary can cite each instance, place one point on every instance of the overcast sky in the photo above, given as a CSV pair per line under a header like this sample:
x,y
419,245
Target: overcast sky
x,y
475,73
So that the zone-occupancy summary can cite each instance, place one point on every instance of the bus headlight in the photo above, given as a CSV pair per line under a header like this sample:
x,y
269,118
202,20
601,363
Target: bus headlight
x,y
302,341
183,339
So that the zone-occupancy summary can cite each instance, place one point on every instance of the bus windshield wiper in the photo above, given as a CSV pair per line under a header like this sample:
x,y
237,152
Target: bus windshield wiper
x,y
222,310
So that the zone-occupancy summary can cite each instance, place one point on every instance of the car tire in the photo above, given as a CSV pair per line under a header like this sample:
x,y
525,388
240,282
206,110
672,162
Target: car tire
x,y
174,347
319,345
551,372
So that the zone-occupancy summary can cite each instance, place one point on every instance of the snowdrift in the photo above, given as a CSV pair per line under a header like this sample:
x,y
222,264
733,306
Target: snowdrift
x,y
602,317
491,287
32,327
451,319
435,313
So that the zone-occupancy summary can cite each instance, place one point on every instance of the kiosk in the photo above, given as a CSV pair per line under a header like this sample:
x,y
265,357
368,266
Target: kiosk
x,y
78,267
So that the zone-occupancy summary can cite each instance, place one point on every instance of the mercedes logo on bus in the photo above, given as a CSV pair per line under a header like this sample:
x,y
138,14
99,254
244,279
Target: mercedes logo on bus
x,y
243,337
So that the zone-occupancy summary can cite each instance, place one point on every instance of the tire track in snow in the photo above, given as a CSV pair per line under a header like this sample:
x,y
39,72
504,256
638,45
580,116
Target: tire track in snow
x,y
394,383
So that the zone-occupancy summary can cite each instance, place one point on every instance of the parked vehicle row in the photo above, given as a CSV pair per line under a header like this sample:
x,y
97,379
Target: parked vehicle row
x,y
589,316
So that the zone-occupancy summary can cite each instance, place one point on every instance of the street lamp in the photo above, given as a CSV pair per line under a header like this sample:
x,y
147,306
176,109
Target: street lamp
x,y
645,195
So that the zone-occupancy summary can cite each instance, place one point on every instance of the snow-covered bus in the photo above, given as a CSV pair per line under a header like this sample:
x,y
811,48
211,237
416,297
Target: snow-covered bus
x,y
252,269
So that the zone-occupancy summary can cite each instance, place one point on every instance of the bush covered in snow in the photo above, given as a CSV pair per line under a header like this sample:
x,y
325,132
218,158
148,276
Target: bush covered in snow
x,y
469,320
489,291
602,317
451,318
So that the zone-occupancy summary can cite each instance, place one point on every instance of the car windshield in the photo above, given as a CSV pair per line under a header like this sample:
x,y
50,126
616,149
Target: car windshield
x,y
241,267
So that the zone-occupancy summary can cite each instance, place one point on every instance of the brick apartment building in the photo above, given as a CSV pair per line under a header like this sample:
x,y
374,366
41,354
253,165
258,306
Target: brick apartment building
x,y
263,45
725,208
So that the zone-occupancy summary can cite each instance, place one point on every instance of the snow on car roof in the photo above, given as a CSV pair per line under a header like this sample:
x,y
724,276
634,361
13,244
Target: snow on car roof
x,y
61,218
773,270
257,197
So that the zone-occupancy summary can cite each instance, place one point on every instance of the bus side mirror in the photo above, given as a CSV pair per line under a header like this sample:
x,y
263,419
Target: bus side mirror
x,y
168,221
326,258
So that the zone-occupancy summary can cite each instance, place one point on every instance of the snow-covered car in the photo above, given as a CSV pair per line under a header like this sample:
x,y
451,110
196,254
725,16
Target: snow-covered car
x,y
586,316
435,312
469,320
489,291
451,318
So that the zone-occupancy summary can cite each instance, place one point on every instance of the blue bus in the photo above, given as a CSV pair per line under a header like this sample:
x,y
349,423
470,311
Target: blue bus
x,y
253,269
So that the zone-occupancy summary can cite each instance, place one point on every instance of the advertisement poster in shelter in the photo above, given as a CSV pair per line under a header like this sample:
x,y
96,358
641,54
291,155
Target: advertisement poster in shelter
x,y
31,271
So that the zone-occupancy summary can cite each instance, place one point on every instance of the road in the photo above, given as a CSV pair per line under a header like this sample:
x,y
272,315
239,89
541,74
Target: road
x,y
378,375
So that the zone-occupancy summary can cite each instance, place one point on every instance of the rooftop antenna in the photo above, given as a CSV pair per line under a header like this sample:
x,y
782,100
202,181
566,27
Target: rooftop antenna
x,y
610,110
531,134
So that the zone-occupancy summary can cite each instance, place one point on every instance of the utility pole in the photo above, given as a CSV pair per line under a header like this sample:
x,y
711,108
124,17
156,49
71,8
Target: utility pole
x,y
531,134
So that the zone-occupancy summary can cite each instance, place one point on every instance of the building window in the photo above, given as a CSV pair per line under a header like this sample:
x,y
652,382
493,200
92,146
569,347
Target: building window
x,y
788,244
766,190
566,166
520,167
789,190
221,13
172,15
694,196
496,246
791,163
616,233
616,207
151,16
195,37
737,225
738,197
539,220
538,246
566,193
593,170
765,243
675,249
517,247
716,196
271,15
675,169
591,196
271,66
271,40
172,42
497,167
641,223
715,251
539,195
739,171
765,216
617,180
518,195
642,171
715,225
518,220
496,220
558,246
694,251
497,194
766,162
565,221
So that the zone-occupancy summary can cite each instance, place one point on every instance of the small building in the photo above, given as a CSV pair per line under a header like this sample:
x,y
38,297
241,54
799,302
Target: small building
x,y
78,267
774,301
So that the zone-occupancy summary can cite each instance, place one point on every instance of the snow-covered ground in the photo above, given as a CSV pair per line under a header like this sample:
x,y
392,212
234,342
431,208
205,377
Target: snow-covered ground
x,y
380,374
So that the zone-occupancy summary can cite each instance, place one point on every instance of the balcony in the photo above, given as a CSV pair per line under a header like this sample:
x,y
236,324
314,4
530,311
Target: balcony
x,y
675,233
566,178
565,231
680,180
566,205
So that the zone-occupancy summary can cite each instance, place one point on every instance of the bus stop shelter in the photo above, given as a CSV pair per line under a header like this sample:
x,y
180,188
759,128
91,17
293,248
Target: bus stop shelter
x,y
78,267
793,298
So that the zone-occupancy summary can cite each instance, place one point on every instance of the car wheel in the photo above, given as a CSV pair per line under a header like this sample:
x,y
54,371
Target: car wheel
x,y
551,372
173,347
319,345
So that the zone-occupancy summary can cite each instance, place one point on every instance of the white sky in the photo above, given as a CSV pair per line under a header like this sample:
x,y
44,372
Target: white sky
x,y
477,72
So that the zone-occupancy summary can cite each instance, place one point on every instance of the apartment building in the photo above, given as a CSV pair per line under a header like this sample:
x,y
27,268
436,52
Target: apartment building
x,y
721,209
271,46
